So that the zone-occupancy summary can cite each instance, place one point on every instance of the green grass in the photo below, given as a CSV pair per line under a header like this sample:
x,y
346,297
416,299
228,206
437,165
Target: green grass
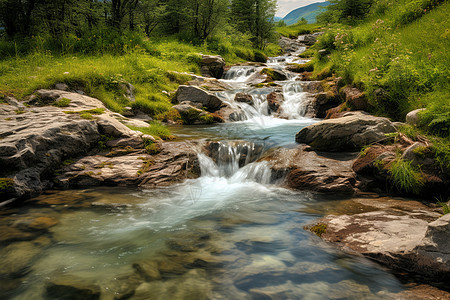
x,y
401,48
150,66
293,31
405,176
156,129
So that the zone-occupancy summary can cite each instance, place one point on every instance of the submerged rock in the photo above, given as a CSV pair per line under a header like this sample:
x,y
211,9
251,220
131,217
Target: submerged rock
x,y
68,287
348,133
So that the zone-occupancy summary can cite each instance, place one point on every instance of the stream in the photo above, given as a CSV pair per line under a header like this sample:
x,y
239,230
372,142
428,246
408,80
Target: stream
x,y
233,233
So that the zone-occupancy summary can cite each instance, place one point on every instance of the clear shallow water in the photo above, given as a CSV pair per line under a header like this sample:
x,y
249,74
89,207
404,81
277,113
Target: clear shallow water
x,y
226,238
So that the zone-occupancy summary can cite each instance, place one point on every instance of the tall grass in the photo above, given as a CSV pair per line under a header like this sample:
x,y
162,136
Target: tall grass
x,y
401,48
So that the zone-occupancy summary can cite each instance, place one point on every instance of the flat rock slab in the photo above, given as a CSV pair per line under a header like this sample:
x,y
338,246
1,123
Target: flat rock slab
x,y
315,171
349,133
404,235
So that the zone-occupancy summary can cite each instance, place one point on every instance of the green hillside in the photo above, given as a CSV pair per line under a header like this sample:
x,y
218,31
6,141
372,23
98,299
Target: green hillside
x,y
398,53
309,13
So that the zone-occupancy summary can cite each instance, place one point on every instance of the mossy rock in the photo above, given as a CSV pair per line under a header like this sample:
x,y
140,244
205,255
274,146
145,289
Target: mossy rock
x,y
274,75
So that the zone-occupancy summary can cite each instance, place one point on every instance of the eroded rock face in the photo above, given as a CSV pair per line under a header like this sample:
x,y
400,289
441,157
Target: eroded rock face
x,y
175,162
197,95
404,235
348,133
308,170
36,140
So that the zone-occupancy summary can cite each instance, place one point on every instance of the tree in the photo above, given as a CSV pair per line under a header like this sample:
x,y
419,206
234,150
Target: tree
x,y
345,11
255,17
16,16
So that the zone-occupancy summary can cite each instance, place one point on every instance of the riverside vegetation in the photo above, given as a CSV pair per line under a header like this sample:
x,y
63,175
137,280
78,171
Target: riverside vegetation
x,y
397,53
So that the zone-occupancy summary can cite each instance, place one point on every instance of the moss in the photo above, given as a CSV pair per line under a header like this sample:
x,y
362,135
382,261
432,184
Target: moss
x,y
6,184
19,111
63,102
95,111
153,148
105,164
319,229
156,129
146,165
171,115
68,162
87,116
275,76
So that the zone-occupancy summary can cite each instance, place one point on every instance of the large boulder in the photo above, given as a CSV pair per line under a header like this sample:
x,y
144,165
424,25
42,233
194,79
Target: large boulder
x,y
314,171
196,95
404,235
212,66
348,133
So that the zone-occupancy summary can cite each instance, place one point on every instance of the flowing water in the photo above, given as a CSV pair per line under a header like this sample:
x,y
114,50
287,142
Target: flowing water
x,y
233,233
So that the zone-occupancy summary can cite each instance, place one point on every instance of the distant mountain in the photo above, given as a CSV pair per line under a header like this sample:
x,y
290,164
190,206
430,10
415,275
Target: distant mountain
x,y
276,19
308,12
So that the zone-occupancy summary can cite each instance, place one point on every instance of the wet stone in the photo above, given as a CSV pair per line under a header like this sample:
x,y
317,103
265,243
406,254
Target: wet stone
x,y
72,288
147,270
15,259
10,234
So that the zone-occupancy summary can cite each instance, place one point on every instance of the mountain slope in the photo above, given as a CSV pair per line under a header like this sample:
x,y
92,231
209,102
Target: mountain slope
x,y
308,12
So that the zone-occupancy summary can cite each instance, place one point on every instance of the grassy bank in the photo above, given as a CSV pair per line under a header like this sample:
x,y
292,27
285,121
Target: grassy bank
x,y
293,31
150,66
401,48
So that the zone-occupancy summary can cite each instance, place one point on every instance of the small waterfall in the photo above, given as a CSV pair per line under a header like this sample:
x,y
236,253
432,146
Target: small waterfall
x,y
239,73
235,161
245,111
293,106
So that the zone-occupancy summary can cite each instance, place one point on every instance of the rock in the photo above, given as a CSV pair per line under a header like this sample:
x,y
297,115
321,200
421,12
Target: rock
x,y
400,234
147,270
243,97
416,158
197,95
356,99
290,45
193,285
10,234
274,101
348,133
273,74
61,87
319,172
212,66
312,86
68,287
413,117
15,259
14,102
133,142
128,90
110,126
309,39
135,122
209,84
432,255
42,223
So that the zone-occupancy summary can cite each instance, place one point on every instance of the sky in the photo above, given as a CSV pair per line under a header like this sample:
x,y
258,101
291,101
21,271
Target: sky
x,y
286,6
